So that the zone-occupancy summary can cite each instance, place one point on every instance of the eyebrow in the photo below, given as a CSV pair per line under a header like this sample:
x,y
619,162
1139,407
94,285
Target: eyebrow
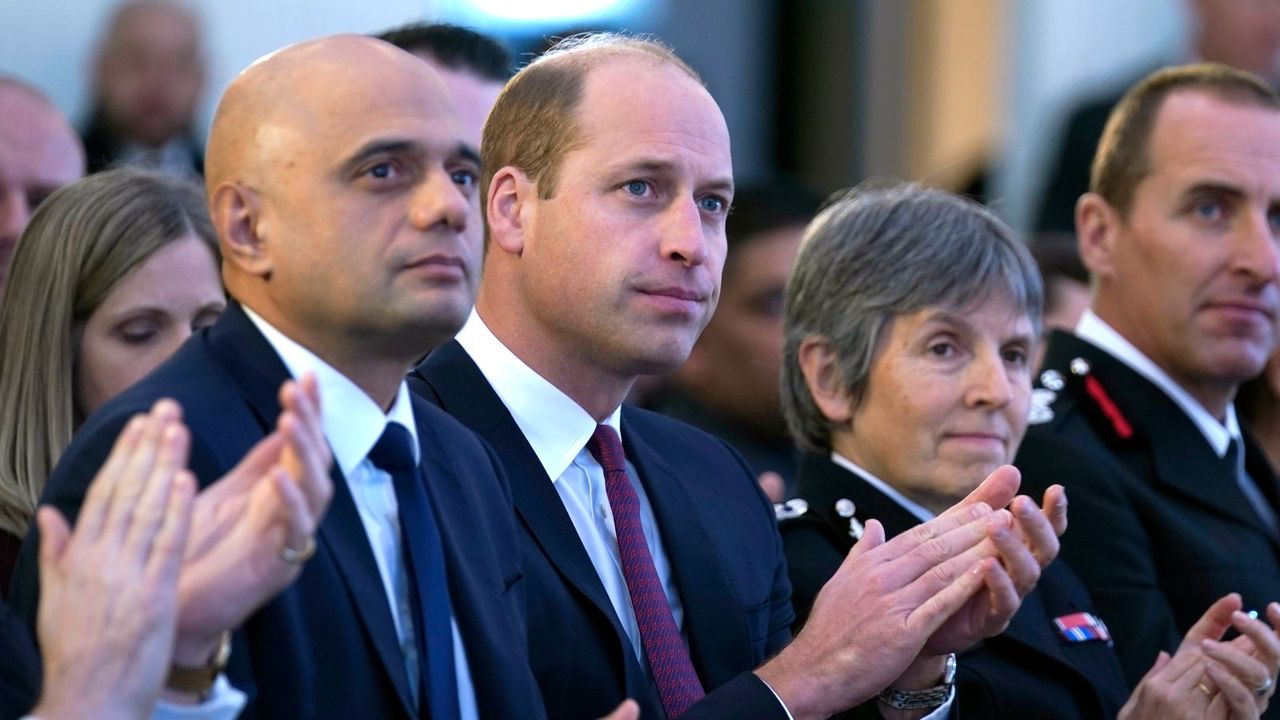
x,y
954,318
399,146
1210,187
467,151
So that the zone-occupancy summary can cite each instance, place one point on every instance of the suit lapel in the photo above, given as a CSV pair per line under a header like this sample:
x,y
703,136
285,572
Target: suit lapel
x,y
1181,455
256,367
465,394
705,591
342,535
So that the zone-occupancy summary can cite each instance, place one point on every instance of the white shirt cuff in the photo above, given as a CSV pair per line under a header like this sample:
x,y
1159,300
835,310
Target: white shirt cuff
x,y
225,703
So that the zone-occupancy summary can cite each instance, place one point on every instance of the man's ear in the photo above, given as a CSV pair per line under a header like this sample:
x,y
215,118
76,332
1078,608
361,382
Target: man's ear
x,y
819,364
1097,227
236,217
509,208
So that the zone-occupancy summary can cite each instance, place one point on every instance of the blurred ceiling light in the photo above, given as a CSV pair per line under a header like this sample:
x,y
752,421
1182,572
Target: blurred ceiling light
x,y
543,12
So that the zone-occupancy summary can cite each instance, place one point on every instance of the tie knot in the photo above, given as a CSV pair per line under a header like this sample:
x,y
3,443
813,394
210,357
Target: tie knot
x,y
606,448
394,450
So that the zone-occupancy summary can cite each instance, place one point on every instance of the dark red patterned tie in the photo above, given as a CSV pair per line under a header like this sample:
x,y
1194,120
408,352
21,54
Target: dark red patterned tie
x,y
669,661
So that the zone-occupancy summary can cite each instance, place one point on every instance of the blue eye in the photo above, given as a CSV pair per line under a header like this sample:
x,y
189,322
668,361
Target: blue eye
x,y
464,178
381,170
1210,210
637,188
713,204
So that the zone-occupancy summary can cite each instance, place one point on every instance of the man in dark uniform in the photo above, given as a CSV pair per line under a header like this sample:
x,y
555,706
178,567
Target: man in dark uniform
x,y
1179,235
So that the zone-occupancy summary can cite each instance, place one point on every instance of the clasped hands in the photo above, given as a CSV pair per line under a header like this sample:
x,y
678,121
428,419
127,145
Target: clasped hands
x,y
896,608
154,573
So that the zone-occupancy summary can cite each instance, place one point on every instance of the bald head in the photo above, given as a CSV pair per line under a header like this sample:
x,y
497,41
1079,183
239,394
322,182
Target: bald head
x,y
342,186
39,153
285,98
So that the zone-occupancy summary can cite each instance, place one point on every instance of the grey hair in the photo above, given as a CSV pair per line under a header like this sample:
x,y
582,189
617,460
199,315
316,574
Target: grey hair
x,y
881,251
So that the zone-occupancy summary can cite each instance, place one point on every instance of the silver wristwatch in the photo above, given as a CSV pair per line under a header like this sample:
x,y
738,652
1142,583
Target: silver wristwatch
x,y
922,699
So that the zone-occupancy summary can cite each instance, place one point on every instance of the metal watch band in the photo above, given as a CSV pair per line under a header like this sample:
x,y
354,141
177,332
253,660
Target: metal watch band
x,y
922,699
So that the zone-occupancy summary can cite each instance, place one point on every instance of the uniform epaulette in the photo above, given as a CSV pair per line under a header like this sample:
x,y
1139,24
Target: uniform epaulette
x,y
791,509
1095,399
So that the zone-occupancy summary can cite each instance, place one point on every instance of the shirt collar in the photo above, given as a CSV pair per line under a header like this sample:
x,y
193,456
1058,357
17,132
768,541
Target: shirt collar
x,y
1096,331
556,427
906,504
353,422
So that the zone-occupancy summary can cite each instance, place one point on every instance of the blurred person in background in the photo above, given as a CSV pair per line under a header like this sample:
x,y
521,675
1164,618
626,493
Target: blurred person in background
x,y
39,153
111,276
1244,34
912,317
1066,282
474,66
729,384
148,80
1258,402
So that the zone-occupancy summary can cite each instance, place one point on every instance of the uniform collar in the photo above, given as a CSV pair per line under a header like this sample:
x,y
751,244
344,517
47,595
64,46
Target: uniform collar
x,y
556,427
885,488
1096,331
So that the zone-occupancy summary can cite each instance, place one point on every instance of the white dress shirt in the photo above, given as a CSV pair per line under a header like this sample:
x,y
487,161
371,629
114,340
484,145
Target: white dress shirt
x,y
558,429
1219,435
353,423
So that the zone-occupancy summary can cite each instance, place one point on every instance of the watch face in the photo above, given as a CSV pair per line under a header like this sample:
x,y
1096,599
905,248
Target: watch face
x,y
949,675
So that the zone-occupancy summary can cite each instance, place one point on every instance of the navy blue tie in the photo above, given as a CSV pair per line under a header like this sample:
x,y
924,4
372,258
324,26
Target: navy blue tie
x,y
424,564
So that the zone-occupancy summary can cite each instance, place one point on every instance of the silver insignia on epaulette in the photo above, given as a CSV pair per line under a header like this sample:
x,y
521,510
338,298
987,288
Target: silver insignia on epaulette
x,y
1040,412
790,509
846,509
1052,380
1080,366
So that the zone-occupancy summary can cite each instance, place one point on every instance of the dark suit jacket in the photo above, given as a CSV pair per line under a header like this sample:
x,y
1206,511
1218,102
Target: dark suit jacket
x,y
716,527
1159,528
19,666
1028,671
326,647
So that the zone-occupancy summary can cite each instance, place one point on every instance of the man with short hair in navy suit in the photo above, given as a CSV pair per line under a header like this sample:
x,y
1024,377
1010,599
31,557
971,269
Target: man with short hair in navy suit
x,y
341,186
653,564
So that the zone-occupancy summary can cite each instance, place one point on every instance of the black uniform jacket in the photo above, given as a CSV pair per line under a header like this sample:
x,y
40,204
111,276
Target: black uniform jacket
x,y
1028,671
1159,528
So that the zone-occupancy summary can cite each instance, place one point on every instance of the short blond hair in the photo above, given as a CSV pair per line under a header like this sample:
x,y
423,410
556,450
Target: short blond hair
x,y
533,123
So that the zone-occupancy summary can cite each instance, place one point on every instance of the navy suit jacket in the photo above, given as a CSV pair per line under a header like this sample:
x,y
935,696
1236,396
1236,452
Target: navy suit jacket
x,y
326,647
1027,671
19,665
717,528
1159,527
